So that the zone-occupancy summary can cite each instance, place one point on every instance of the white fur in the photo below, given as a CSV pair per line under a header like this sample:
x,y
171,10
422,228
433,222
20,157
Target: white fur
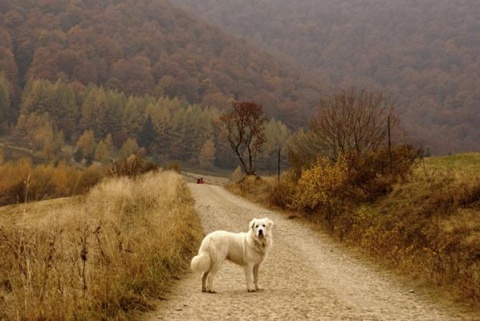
x,y
245,249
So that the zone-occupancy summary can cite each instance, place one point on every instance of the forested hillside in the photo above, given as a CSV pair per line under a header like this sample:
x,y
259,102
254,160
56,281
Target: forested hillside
x,y
144,47
425,54
105,124
111,78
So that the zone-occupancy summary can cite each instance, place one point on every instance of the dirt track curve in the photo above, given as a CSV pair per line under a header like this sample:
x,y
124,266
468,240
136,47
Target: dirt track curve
x,y
307,276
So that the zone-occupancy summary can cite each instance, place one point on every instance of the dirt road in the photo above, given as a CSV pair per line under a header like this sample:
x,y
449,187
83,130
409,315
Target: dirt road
x,y
307,276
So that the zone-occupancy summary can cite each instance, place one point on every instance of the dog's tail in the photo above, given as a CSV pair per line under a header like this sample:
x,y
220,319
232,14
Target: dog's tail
x,y
201,262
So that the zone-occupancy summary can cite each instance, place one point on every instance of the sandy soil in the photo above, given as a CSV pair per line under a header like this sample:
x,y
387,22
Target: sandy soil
x,y
307,276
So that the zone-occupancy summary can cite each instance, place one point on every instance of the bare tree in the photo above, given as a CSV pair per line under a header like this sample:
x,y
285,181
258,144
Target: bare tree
x,y
244,129
354,121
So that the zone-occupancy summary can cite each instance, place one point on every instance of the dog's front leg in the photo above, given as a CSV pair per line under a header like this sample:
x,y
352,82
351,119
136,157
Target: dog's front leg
x,y
255,277
249,277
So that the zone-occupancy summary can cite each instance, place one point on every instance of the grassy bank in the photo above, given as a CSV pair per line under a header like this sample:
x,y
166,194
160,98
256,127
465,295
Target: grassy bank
x,y
104,256
427,227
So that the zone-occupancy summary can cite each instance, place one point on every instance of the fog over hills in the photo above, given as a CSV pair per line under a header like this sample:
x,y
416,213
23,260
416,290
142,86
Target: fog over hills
x,y
424,54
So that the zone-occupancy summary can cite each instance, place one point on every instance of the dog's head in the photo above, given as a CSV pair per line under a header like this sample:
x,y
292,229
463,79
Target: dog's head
x,y
262,227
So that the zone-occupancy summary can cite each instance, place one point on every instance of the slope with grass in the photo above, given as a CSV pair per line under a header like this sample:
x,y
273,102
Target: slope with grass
x,y
105,256
426,228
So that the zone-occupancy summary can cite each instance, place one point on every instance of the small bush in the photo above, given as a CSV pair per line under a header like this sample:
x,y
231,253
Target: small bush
x,y
89,178
175,166
374,173
321,186
14,177
283,194
131,167
236,175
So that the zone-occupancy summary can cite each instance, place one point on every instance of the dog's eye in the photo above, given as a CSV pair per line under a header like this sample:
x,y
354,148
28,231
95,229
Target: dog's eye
x,y
263,225
256,226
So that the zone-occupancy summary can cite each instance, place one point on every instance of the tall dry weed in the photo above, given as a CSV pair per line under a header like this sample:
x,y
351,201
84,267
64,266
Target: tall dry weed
x,y
107,256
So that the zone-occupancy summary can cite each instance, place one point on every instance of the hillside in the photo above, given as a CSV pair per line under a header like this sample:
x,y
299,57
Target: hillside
x,y
144,47
425,54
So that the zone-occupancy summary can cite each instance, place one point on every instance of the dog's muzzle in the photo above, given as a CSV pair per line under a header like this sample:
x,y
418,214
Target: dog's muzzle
x,y
260,233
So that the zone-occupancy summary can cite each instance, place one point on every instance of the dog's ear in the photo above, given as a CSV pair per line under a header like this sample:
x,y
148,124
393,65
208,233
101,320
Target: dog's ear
x,y
269,223
252,223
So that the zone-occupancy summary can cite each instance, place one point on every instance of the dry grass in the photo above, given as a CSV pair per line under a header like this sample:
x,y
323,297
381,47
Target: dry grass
x,y
427,227
104,256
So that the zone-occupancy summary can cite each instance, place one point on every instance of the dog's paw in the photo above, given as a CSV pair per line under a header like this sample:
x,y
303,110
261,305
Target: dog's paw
x,y
258,288
252,290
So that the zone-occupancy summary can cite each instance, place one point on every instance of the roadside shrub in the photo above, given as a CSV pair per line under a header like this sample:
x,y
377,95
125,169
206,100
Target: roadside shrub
x,y
283,194
236,175
132,166
321,186
89,178
175,166
331,188
374,173
14,179
64,180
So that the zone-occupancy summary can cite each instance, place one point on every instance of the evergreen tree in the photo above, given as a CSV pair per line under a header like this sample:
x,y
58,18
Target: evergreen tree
x,y
104,150
277,135
115,103
132,118
5,104
94,111
179,124
161,119
146,136
130,147
64,109
206,157
85,145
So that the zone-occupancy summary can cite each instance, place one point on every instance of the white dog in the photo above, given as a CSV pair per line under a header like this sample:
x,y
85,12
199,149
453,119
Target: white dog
x,y
245,249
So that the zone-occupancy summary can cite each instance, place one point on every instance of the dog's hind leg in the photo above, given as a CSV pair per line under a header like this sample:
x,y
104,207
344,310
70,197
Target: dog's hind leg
x,y
211,274
204,281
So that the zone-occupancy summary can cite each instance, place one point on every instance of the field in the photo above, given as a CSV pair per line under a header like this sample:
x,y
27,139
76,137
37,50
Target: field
x,y
104,256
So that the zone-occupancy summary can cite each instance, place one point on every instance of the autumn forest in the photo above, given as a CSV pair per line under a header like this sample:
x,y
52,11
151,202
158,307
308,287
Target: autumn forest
x,y
115,77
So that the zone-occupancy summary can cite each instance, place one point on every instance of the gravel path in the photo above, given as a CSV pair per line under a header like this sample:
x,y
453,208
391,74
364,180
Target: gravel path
x,y
307,276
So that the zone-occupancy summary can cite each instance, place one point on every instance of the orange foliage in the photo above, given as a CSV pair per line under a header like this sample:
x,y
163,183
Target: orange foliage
x,y
20,181
321,185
